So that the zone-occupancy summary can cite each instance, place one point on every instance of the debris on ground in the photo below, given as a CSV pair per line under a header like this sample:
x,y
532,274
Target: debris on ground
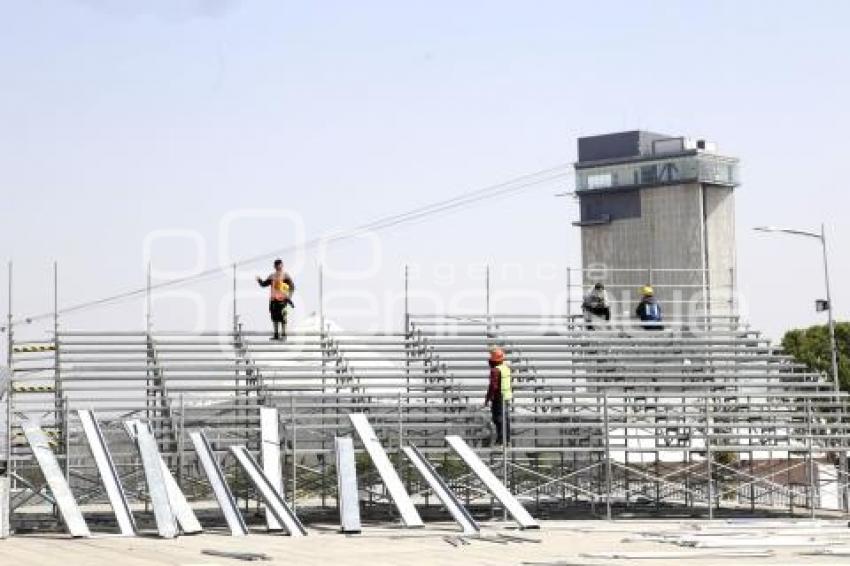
x,y
247,556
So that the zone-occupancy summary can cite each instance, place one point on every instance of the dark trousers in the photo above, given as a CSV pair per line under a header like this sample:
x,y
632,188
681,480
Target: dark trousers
x,y
498,415
604,312
277,309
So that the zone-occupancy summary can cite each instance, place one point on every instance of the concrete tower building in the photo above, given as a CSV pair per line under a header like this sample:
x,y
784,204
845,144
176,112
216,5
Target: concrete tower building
x,y
658,209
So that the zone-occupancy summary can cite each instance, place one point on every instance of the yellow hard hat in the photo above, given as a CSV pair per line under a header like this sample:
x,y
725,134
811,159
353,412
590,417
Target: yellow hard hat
x,y
647,291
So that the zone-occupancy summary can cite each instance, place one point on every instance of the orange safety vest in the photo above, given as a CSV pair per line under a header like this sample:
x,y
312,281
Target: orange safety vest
x,y
279,289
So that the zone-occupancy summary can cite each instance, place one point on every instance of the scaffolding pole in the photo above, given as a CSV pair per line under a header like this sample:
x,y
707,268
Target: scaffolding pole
x,y
10,344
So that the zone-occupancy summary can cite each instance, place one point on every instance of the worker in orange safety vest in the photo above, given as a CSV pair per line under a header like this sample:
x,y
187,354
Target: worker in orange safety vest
x,y
280,293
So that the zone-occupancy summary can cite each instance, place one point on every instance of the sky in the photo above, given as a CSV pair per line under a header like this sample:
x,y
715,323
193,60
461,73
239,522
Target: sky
x,y
189,134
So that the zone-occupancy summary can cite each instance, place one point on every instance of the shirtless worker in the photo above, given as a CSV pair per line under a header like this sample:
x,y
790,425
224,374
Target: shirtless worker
x,y
281,290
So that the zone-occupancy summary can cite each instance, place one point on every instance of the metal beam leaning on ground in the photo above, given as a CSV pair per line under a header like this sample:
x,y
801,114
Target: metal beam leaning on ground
x,y
4,507
496,487
270,454
223,495
71,515
179,505
409,516
348,500
108,473
166,522
458,511
272,497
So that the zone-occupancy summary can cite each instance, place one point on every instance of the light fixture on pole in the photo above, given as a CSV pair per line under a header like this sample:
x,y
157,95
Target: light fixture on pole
x,y
820,304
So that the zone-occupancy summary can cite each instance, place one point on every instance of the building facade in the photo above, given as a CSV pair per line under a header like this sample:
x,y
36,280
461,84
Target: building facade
x,y
658,210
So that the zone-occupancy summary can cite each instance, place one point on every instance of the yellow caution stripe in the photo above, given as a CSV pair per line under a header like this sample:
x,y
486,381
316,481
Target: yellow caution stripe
x,y
25,348
32,388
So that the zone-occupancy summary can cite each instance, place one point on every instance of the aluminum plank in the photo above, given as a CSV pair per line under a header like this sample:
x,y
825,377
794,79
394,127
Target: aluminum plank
x,y
273,499
68,509
186,518
460,514
108,473
5,504
223,495
348,500
496,487
270,454
166,522
409,516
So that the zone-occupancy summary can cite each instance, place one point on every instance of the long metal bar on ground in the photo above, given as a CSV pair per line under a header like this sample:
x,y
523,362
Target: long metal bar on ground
x,y
409,516
674,555
223,495
496,487
460,514
177,500
270,454
735,541
272,497
108,473
71,515
348,500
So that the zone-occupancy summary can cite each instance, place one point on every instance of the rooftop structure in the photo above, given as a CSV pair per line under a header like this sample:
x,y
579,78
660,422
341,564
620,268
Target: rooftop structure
x,y
658,209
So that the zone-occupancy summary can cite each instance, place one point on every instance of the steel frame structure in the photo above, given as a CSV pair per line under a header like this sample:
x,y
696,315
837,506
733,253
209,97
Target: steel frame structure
x,y
704,416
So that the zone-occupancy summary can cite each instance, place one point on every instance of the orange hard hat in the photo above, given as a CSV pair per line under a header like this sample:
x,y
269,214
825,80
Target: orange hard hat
x,y
497,355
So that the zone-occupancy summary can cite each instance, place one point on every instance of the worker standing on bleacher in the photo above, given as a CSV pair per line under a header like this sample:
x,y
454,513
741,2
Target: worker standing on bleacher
x,y
499,395
281,290
648,310
596,304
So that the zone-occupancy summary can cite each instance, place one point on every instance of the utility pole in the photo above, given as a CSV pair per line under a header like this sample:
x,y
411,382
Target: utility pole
x,y
833,349
830,319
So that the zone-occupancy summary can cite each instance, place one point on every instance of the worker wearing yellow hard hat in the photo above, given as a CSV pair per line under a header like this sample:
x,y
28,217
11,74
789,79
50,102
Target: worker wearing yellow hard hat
x,y
280,293
649,310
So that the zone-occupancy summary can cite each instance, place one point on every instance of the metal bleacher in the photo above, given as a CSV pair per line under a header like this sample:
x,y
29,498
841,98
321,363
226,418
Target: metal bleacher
x,y
683,417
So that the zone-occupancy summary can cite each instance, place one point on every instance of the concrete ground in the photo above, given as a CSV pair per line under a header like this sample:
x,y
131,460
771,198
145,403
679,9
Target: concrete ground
x,y
557,543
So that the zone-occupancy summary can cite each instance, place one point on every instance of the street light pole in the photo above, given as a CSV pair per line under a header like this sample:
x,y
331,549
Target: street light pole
x,y
831,320
833,350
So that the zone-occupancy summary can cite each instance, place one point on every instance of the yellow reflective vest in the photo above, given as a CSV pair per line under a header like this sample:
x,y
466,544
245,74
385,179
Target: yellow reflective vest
x,y
505,382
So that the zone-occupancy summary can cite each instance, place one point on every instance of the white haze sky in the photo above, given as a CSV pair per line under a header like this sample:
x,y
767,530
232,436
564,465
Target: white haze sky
x,y
122,119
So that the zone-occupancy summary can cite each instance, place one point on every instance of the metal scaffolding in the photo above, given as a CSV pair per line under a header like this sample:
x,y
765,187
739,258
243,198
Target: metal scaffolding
x,y
704,416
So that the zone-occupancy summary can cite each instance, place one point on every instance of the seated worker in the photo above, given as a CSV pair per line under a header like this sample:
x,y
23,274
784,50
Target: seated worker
x,y
596,304
648,310
281,290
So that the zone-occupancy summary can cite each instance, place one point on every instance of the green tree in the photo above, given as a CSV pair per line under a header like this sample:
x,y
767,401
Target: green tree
x,y
810,346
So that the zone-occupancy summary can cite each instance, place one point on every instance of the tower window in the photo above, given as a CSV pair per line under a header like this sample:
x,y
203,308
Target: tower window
x,y
599,181
649,174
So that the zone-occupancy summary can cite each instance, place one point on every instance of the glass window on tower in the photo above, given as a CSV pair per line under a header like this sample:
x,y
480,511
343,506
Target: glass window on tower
x,y
599,181
649,174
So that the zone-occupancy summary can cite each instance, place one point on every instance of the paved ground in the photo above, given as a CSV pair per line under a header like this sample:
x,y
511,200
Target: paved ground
x,y
559,543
